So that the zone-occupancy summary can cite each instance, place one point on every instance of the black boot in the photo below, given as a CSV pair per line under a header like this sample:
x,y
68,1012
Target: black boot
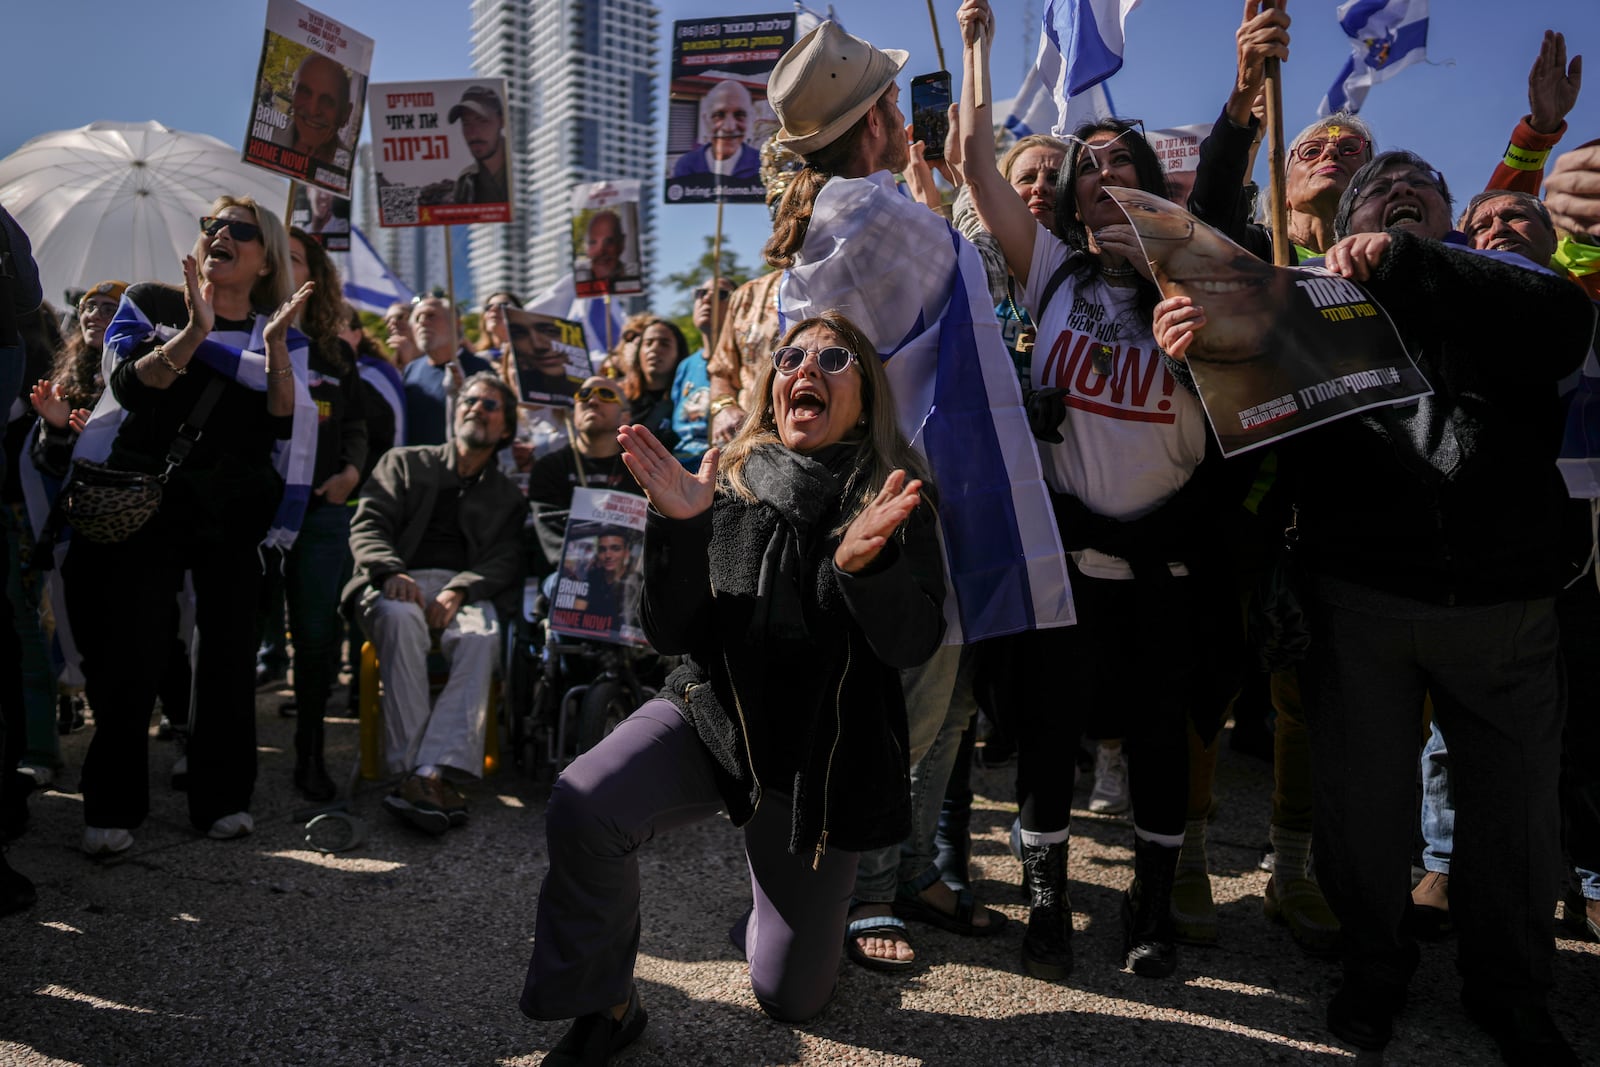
x,y
1047,946
310,774
1148,938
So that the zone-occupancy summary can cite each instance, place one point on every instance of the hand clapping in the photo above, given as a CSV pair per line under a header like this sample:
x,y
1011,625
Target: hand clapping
x,y
871,529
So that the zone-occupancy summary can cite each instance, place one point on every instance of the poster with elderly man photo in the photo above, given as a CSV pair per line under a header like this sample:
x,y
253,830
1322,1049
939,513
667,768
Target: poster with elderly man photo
x,y
439,152
305,118
719,116
605,239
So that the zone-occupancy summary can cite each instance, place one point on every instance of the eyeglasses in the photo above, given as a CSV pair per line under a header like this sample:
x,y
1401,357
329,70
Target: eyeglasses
x,y
722,294
240,230
103,308
487,403
600,394
1311,149
1362,193
832,359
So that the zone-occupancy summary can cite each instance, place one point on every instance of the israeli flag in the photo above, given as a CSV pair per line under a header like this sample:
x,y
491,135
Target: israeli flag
x,y
918,292
1386,37
369,284
1042,104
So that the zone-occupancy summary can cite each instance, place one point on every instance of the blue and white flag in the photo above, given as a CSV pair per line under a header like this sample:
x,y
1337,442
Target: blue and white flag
x,y
1042,104
241,357
806,20
1386,37
382,376
917,290
369,284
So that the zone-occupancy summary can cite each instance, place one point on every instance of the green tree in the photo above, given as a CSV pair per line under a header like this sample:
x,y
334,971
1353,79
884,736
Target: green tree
x,y
701,269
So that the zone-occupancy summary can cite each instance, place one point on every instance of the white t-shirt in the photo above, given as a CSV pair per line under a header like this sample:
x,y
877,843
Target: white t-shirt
x,y
1133,436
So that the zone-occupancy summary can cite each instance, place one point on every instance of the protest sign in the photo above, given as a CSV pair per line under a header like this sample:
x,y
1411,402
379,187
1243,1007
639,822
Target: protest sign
x,y
324,216
719,115
605,239
546,360
1282,349
439,152
310,87
602,568
1178,149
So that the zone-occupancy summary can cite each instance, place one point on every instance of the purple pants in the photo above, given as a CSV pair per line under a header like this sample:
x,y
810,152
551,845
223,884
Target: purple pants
x,y
649,775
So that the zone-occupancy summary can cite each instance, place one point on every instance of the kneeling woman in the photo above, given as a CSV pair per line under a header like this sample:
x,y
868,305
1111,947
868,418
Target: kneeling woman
x,y
797,579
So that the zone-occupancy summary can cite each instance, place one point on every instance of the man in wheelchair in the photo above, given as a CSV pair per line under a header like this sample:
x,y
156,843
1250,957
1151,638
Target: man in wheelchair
x,y
437,545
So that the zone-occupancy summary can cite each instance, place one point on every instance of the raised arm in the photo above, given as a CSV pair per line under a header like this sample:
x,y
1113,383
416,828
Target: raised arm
x,y
1002,211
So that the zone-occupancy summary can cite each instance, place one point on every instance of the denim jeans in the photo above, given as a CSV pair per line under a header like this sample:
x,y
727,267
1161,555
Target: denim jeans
x,y
939,704
1438,804
312,581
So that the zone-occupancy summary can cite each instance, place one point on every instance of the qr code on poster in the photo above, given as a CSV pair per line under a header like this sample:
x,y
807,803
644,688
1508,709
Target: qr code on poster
x,y
399,203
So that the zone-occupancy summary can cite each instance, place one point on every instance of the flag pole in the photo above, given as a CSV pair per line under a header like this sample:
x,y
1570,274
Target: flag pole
x,y
937,46
1277,205
716,282
449,270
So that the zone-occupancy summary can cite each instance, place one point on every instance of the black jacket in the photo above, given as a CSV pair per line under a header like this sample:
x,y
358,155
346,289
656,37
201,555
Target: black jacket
x,y
822,719
1453,499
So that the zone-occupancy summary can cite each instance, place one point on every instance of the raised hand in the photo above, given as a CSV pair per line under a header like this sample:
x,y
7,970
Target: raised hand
x,y
277,328
50,405
1262,35
197,295
870,530
977,21
672,490
1552,84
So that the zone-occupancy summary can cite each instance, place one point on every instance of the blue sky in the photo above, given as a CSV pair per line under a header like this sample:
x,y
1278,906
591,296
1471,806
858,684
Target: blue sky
x,y
190,64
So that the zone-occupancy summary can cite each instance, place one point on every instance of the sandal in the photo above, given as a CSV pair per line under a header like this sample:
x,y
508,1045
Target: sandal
x,y
910,905
884,926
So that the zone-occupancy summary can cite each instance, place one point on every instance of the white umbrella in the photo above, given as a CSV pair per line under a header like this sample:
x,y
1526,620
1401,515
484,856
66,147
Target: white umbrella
x,y
122,199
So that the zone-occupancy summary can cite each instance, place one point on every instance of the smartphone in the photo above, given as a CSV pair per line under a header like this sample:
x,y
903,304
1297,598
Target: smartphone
x,y
930,112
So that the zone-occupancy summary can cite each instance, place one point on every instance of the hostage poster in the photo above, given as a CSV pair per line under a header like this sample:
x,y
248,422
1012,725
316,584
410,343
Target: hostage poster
x,y
545,359
719,116
605,239
305,118
439,152
1283,349
322,215
602,568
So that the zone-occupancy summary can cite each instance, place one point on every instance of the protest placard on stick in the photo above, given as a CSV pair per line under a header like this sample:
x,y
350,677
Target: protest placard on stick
x,y
602,568
605,239
439,152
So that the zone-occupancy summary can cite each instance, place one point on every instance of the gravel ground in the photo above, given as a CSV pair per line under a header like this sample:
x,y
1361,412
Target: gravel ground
x,y
411,950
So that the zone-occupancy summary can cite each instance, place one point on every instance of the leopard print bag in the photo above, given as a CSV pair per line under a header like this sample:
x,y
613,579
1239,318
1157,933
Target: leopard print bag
x,y
106,505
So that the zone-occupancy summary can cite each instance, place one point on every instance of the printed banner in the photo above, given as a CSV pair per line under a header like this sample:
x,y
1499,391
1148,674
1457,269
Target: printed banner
x,y
547,360
605,239
1178,149
439,152
310,88
1283,349
602,568
719,116
323,215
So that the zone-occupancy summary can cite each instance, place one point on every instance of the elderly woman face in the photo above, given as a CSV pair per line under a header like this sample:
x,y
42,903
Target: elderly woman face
x,y
1401,195
232,257
817,401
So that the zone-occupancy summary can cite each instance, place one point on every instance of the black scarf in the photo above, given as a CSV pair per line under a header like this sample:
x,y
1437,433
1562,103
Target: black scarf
x,y
800,490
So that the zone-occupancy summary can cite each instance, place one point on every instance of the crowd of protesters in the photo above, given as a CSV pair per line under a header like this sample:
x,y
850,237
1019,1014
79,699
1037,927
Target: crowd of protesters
x,y
316,489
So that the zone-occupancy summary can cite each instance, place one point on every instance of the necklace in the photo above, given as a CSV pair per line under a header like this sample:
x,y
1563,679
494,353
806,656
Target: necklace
x,y
1118,272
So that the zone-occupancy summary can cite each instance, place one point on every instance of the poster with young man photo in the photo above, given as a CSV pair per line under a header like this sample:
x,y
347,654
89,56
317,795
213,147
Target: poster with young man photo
x,y
546,359
602,568
439,152
305,118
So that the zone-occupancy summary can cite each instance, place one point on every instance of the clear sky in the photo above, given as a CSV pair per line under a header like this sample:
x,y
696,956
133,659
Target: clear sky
x,y
190,64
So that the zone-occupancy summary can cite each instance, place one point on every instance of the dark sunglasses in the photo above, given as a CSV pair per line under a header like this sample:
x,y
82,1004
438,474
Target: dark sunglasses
x,y
832,359
487,403
602,394
1311,149
240,230
722,294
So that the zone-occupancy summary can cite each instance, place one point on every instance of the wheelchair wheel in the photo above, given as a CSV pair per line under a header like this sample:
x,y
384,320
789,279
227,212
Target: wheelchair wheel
x,y
604,706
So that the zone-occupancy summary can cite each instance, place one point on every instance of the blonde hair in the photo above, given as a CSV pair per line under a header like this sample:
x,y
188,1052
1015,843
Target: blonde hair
x,y
1033,140
273,288
880,450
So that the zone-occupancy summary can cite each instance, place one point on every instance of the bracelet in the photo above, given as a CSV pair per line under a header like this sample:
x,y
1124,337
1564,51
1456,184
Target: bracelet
x,y
160,352
722,403
281,372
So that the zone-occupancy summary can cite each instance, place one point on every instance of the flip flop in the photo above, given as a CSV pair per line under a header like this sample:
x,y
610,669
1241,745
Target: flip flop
x,y
911,906
884,926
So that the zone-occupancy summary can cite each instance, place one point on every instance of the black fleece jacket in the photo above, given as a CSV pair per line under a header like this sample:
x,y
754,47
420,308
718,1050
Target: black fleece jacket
x,y
823,718
1453,499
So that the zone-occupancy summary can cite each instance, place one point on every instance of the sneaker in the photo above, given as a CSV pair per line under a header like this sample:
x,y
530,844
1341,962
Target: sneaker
x,y
1300,906
239,824
1430,908
454,802
69,714
1194,912
105,842
1110,795
1362,1014
419,802
595,1038
1581,915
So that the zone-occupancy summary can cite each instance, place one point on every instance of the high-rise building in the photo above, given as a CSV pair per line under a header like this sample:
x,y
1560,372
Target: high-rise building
x,y
582,87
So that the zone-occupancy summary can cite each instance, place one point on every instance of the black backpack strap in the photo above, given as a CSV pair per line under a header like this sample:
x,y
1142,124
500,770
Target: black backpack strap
x,y
1057,279
190,431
